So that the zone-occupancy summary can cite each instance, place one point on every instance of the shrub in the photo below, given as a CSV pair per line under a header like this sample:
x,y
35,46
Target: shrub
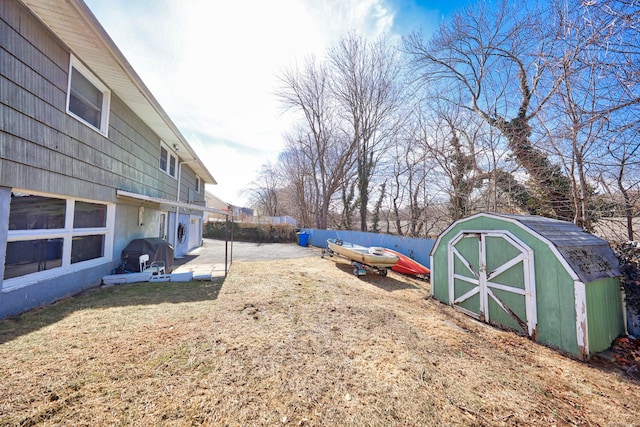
x,y
629,258
250,232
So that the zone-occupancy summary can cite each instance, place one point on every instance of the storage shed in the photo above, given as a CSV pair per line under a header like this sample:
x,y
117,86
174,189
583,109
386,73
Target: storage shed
x,y
542,277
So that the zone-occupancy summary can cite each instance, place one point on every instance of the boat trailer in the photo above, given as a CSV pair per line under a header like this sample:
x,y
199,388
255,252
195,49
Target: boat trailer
x,y
359,268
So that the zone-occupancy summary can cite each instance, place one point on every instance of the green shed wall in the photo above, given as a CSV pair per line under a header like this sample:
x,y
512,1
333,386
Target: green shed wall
x,y
555,297
604,313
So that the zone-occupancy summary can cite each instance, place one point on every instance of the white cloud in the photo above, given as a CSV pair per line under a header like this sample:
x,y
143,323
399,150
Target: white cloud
x,y
213,66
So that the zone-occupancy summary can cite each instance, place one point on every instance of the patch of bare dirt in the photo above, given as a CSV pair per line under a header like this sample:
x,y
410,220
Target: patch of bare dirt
x,y
298,342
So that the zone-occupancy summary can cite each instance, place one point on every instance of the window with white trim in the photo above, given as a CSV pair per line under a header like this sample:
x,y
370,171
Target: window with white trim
x,y
50,235
168,161
88,99
198,184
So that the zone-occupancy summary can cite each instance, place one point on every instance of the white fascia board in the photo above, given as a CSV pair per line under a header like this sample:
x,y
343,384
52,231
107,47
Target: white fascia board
x,y
122,193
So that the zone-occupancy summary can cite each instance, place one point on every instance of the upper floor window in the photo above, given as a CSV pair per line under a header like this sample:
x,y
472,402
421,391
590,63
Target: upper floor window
x,y
168,161
198,184
87,98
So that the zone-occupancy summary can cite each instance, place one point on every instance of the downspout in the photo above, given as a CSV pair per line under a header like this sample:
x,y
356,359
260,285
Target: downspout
x,y
175,225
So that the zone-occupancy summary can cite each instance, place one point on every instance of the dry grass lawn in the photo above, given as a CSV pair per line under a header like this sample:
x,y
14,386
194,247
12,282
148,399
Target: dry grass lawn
x,y
298,342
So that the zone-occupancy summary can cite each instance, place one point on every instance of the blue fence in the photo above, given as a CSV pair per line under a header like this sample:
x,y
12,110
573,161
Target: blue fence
x,y
413,247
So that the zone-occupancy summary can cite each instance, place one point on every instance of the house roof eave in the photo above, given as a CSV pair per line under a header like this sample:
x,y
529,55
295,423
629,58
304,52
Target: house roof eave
x,y
74,24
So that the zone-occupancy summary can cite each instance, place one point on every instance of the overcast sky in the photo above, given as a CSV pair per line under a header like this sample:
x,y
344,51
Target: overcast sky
x,y
213,64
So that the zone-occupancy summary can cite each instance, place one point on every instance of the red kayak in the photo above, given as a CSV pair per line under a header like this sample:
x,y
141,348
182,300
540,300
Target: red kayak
x,y
408,266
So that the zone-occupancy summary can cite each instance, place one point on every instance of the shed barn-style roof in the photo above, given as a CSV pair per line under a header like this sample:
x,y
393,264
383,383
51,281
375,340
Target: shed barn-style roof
x,y
590,257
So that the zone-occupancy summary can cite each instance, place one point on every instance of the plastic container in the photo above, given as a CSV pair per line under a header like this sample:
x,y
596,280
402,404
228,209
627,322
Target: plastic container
x,y
303,239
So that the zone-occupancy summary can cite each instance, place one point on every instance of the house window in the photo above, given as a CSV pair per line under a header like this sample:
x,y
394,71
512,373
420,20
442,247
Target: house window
x,y
168,161
31,256
30,212
89,215
51,235
172,166
198,183
85,248
87,98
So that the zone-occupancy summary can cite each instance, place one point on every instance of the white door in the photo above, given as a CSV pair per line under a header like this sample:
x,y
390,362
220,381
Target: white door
x,y
194,232
163,226
491,278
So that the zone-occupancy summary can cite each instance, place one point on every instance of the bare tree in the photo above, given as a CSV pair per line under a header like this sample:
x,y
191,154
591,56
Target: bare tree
x,y
614,26
297,175
322,156
375,216
365,78
397,187
348,203
593,97
530,109
622,172
497,58
416,167
409,171
449,136
615,29
625,187
264,190
576,122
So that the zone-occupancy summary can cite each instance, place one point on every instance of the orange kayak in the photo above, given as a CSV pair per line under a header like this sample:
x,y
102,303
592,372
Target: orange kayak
x,y
406,265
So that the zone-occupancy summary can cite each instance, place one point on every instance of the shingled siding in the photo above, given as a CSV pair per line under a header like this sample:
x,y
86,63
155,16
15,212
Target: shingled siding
x,y
42,148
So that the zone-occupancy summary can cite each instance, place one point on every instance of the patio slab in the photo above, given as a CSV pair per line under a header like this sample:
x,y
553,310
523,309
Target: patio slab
x,y
207,262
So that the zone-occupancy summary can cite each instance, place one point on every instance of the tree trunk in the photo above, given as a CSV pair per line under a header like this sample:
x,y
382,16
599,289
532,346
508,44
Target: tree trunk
x,y
554,187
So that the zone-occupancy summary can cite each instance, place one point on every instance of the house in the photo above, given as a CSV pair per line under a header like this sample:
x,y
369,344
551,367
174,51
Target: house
x,y
89,160
214,201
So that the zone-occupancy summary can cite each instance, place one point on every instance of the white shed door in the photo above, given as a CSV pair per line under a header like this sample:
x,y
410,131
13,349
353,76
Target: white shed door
x,y
491,278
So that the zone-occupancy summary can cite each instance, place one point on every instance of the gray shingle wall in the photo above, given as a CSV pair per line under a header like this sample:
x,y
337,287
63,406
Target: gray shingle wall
x,y
42,148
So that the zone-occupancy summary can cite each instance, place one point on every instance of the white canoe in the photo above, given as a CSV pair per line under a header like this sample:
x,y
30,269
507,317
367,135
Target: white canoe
x,y
371,256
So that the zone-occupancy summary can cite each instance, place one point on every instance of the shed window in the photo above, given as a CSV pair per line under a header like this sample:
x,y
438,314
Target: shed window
x,y
87,98
168,161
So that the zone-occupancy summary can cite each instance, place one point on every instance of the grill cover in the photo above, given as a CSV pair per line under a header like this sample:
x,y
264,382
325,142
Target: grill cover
x,y
157,248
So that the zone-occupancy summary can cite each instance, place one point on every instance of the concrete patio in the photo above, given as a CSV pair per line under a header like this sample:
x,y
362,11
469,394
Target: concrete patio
x,y
208,261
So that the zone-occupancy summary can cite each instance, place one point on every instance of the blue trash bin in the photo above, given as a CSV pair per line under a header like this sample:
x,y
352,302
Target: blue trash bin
x,y
303,239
